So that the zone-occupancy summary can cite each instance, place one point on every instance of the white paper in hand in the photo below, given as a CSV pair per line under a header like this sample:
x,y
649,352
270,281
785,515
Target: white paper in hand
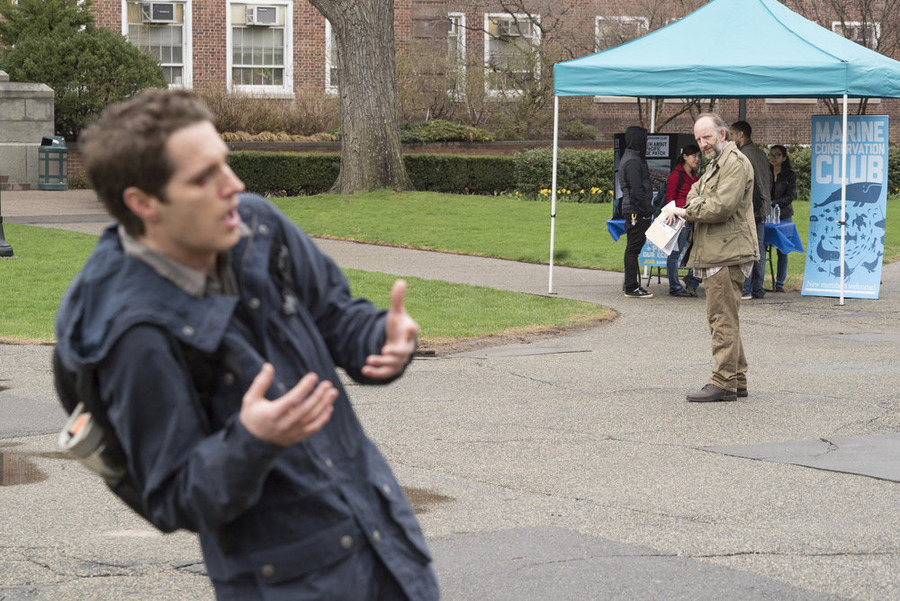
x,y
663,235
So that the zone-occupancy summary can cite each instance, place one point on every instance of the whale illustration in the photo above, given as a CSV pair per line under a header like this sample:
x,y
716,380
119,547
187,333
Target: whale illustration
x,y
825,254
859,194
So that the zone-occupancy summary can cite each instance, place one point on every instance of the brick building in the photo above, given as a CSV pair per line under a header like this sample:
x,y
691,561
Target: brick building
x,y
488,50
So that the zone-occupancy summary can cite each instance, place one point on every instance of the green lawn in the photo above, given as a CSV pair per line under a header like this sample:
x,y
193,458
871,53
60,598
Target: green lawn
x,y
501,226
46,260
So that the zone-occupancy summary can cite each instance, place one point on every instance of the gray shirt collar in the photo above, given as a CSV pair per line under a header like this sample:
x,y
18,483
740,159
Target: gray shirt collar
x,y
194,282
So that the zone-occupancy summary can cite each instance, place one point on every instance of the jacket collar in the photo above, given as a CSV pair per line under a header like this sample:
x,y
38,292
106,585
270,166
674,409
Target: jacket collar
x,y
115,292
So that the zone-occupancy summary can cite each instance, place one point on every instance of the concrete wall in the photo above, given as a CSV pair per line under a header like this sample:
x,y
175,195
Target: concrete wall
x,y
26,116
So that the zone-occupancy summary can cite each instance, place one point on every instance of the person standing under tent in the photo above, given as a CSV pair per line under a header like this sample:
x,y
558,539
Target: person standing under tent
x,y
762,188
679,183
722,250
784,188
637,205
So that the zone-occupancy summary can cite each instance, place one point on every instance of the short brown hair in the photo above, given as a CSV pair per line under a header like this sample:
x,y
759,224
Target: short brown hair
x,y
126,147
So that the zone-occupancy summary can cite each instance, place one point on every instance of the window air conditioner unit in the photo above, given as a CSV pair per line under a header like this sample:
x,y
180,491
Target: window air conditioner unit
x,y
158,12
261,15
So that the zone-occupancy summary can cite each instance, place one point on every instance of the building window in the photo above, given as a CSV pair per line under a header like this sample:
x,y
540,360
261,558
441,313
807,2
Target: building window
x,y
511,52
612,31
331,64
162,29
260,48
456,53
861,32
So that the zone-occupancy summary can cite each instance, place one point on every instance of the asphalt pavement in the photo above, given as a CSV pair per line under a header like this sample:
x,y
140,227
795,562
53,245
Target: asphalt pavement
x,y
568,467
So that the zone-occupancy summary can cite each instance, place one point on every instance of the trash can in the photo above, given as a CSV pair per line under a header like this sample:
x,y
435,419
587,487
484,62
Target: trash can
x,y
53,159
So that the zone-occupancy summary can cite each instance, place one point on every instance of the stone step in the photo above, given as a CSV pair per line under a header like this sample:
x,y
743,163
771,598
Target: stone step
x,y
8,186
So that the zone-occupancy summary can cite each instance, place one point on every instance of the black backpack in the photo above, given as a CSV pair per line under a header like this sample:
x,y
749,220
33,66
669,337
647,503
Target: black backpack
x,y
88,435
659,201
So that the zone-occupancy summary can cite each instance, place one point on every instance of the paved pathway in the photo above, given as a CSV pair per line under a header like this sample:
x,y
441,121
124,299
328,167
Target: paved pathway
x,y
568,468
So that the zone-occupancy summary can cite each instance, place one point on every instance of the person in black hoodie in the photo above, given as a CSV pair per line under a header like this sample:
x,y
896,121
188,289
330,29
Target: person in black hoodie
x,y
637,196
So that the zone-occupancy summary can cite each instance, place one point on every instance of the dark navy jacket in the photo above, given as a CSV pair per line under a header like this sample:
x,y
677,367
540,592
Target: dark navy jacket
x,y
266,516
634,174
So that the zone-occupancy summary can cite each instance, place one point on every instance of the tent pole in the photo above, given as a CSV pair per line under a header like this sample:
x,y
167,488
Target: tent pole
x,y
843,219
653,115
553,188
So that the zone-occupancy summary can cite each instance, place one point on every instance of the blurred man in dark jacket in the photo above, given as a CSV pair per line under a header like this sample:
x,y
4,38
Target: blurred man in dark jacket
x,y
213,328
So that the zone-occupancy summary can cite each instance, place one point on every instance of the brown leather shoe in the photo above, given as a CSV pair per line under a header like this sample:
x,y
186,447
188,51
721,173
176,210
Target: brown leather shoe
x,y
712,393
742,393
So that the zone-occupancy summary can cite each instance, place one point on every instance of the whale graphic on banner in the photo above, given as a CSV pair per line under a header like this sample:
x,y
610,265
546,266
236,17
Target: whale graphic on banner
x,y
859,194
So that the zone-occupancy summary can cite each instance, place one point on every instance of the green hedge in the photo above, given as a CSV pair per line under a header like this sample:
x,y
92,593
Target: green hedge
x,y
582,175
438,130
290,173
303,174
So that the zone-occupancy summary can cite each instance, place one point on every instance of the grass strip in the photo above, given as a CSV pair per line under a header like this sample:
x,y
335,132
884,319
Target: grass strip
x,y
46,260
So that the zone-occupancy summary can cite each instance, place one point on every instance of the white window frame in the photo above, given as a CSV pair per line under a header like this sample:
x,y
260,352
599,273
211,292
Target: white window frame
x,y
457,64
330,42
617,19
286,89
874,30
187,64
534,20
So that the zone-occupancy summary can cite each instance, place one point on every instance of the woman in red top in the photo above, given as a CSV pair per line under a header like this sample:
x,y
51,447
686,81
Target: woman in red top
x,y
685,174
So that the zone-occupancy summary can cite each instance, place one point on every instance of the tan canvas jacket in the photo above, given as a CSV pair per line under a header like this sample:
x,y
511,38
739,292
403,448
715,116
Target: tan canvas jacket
x,y
721,207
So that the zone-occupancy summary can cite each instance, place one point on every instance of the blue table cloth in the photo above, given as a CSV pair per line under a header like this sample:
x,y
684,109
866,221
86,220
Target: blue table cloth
x,y
783,236
616,228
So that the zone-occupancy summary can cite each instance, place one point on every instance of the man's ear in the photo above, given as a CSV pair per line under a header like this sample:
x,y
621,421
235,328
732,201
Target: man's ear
x,y
145,206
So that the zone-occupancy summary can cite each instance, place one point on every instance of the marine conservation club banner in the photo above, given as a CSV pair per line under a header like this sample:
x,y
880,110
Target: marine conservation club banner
x,y
866,205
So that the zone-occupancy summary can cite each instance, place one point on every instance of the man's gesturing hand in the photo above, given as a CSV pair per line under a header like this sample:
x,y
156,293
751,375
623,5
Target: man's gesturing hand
x,y
400,334
298,414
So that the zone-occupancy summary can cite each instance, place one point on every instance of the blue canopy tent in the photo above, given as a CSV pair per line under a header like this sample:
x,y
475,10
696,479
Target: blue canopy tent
x,y
778,54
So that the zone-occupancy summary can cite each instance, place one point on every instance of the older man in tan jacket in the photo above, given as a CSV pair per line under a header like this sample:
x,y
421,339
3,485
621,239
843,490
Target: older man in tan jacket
x,y
722,250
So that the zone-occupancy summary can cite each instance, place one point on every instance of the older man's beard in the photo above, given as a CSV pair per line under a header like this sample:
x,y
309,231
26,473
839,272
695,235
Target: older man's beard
x,y
715,150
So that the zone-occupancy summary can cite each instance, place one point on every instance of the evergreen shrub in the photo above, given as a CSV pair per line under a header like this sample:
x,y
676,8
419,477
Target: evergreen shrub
x,y
588,173
439,130
303,174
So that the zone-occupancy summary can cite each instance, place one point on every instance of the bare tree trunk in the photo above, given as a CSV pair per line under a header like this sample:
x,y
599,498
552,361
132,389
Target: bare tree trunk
x,y
371,155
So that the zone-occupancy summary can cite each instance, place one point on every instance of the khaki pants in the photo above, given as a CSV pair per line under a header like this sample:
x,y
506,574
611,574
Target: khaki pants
x,y
723,298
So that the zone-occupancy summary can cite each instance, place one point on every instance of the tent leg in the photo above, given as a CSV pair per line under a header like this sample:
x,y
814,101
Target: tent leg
x,y
553,188
843,219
